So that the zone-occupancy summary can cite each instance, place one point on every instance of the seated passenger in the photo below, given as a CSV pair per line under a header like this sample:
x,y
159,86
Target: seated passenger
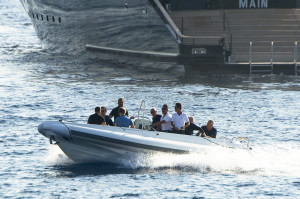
x,y
108,121
208,130
96,118
155,119
192,127
122,120
179,120
165,120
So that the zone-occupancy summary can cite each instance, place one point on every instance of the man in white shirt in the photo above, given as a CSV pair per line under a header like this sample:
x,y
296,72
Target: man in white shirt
x,y
165,120
179,119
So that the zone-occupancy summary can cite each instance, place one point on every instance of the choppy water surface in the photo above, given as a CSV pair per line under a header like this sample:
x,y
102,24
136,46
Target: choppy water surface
x,y
36,86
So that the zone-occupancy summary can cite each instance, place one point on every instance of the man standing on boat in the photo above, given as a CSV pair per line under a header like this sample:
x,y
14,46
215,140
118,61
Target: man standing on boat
x,y
179,120
96,118
115,112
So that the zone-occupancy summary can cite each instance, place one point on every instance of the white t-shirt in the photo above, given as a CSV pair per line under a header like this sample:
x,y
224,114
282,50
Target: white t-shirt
x,y
166,126
179,120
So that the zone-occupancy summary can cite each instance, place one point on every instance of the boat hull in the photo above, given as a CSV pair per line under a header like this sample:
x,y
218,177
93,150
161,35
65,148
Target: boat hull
x,y
93,143
67,27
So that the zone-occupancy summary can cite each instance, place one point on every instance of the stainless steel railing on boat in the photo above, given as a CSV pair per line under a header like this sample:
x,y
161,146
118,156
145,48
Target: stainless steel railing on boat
x,y
297,67
261,67
242,139
142,123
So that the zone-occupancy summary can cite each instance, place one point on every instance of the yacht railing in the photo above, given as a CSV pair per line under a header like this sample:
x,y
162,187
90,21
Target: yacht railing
x,y
226,28
180,37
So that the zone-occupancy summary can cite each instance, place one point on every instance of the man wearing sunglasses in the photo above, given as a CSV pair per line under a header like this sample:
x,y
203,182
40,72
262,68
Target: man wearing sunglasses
x,y
155,119
108,121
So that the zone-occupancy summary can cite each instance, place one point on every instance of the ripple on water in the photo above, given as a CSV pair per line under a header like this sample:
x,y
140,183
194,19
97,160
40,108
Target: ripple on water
x,y
135,195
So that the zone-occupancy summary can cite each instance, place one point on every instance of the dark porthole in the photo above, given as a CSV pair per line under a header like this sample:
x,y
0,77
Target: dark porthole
x,y
42,17
37,16
53,19
59,19
32,15
47,18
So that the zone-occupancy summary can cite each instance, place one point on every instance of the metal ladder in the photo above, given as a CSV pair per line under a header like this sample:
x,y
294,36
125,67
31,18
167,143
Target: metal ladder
x,y
261,67
297,67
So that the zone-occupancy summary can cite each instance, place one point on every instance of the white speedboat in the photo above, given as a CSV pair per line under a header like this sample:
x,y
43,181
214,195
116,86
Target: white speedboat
x,y
94,143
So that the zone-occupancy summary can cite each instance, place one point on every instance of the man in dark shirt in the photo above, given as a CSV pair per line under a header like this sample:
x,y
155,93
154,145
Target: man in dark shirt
x,y
155,119
115,112
192,127
108,121
96,118
208,130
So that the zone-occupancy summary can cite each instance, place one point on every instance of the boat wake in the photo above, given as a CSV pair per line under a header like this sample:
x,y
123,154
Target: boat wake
x,y
265,161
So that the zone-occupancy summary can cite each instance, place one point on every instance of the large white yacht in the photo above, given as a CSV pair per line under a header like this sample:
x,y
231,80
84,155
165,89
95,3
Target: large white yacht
x,y
205,34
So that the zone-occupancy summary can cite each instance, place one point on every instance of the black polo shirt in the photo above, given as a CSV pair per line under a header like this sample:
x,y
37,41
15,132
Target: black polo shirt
x,y
115,113
211,133
96,119
156,119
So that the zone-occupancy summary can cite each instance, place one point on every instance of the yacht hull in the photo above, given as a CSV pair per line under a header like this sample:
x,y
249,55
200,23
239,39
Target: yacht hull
x,y
68,26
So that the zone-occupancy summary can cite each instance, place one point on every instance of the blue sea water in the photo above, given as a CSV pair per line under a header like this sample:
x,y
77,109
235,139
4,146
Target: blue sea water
x,y
36,86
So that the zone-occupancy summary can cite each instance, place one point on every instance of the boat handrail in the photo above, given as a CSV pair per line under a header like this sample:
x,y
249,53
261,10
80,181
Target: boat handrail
x,y
142,103
241,139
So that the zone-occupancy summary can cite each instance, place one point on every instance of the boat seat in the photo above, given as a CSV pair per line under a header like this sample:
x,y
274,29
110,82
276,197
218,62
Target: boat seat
x,y
142,124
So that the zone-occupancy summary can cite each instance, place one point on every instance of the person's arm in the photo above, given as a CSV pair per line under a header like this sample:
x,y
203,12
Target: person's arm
x,y
173,126
165,120
116,122
102,120
162,122
156,124
131,124
201,131
186,125
187,122
215,134
111,113
110,122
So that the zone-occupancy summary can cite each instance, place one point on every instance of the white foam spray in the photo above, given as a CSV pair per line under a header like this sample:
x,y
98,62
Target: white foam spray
x,y
56,156
275,160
